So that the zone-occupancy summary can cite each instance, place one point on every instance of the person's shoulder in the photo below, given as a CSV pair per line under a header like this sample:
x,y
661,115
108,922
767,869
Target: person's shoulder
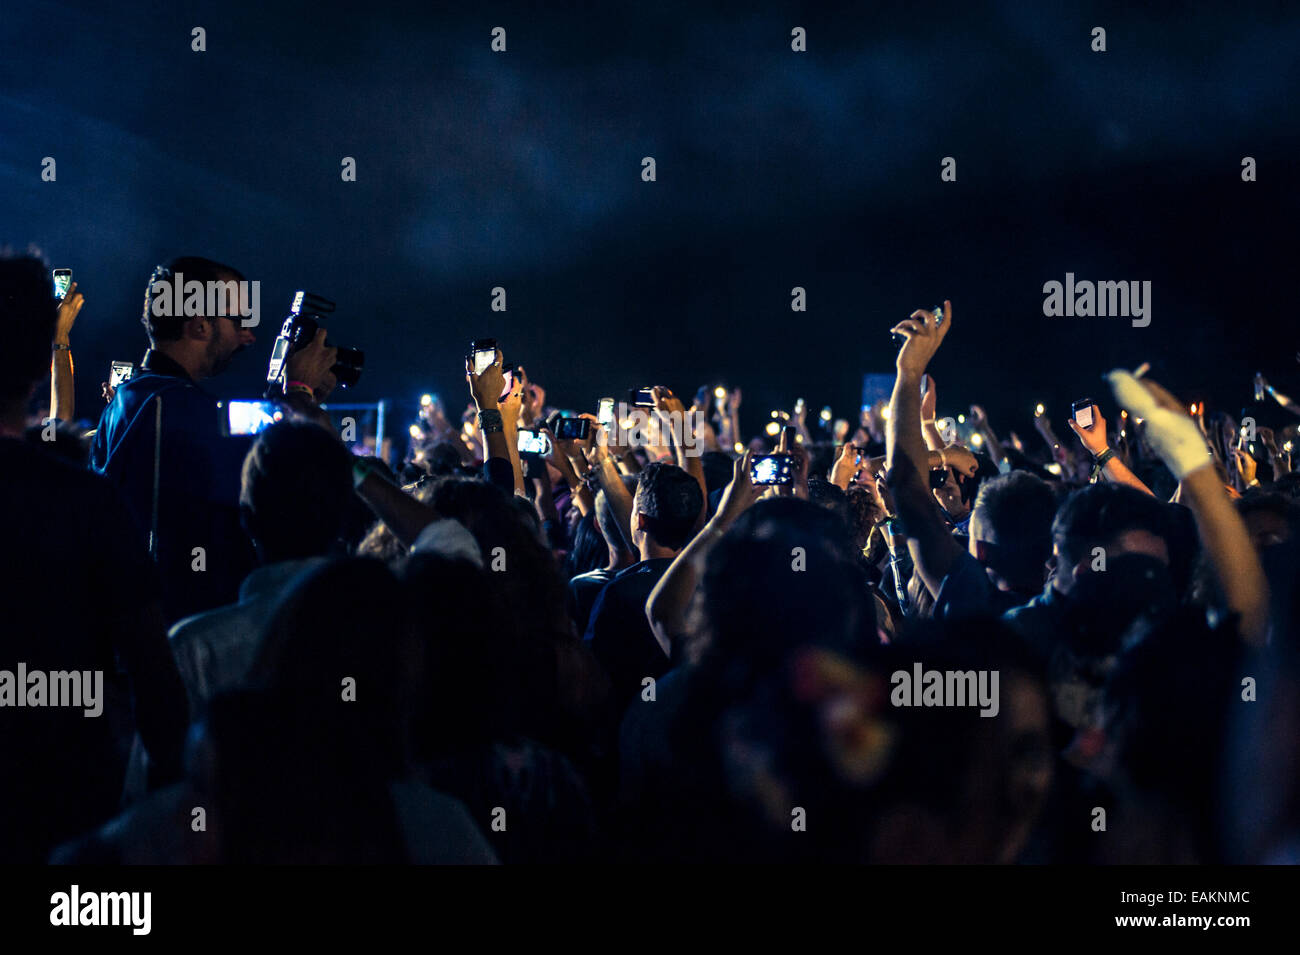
x,y
191,629
437,829
592,578
643,567
48,471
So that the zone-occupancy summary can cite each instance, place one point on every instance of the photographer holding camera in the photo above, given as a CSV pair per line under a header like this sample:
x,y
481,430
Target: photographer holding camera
x,y
160,439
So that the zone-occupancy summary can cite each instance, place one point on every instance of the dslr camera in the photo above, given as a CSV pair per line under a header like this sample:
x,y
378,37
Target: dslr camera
x,y
297,332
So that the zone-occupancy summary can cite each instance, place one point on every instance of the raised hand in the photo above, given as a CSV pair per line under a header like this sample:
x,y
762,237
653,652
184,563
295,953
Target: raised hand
x,y
69,308
486,388
924,333
1093,438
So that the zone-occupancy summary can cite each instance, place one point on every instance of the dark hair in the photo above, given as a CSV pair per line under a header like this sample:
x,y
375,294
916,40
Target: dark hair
x,y
758,602
589,549
443,458
830,496
1256,501
28,310
718,468
295,489
168,328
1018,509
1094,516
671,500
474,682
348,619
1288,484
969,487
863,513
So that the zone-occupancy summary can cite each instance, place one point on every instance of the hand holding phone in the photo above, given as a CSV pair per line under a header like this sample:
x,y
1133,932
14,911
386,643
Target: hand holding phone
x,y
491,385
771,469
533,442
1088,425
118,372
572,428
605,414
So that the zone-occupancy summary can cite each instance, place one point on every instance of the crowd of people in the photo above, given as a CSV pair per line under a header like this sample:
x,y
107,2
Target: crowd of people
x,y
627,646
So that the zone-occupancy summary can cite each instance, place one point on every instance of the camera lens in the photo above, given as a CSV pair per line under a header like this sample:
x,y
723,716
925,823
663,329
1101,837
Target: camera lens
x,y
347,367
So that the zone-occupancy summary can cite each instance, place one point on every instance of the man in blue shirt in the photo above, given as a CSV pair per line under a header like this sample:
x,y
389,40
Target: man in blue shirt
x,y
180,481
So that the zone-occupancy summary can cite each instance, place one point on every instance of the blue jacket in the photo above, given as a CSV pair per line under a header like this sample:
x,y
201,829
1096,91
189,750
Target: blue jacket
x,y
198,483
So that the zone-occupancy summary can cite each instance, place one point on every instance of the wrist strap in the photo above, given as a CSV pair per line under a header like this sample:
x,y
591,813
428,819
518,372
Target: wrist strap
x,y
1100,462
58,347
489,421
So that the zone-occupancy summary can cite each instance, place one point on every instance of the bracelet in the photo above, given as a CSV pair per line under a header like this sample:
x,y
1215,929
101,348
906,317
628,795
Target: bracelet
x,y
1100,463
489,421
59,347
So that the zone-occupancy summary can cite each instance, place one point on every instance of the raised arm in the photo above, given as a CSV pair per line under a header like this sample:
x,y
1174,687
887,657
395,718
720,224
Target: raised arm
x,y
1095,443
668,602
1179,442
62,392
906,454
611,482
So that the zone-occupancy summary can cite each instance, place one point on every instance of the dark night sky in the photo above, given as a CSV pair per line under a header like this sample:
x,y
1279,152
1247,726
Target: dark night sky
x,y
775,169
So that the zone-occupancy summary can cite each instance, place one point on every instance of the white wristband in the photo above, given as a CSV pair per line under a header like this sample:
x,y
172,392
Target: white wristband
x,y
1173,436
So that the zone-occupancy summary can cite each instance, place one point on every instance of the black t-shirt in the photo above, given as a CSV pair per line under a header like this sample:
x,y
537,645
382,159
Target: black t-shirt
x,y
619,633
583,591
77,589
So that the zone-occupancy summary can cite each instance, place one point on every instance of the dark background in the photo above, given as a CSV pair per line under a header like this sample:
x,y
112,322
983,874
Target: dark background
x,y
775,169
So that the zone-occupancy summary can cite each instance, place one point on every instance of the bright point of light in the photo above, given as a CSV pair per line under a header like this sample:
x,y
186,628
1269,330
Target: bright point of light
x,y
719,392
961,419
773,428
415,432
776,414
884,412
799,438
1038,410
1054,468
976,440
740,448
426,399
826,413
